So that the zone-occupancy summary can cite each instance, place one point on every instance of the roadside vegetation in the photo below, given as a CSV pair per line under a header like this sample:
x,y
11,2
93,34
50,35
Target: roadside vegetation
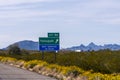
x,y
92,65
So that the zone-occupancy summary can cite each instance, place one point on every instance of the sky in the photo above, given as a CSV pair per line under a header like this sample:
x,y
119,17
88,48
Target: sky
x,y
77,21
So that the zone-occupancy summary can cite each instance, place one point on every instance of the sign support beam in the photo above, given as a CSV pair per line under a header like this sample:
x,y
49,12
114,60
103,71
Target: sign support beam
x,y
42,55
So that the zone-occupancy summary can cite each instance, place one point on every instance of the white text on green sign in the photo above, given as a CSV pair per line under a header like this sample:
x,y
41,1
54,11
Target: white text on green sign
x,y
47,40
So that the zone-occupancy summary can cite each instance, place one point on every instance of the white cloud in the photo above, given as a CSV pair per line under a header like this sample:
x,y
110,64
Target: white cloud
x,y
14,2
94,10
23,11
27,13
100,11
100,4
114,21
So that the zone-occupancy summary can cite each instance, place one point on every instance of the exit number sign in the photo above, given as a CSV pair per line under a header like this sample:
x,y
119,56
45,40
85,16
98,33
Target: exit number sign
x,y
53,35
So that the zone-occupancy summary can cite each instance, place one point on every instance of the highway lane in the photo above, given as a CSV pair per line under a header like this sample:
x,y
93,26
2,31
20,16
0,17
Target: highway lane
x,y
8,72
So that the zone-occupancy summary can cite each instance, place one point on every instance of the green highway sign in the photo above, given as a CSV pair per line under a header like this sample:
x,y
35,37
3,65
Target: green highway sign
x,y
53,35
48,40
49,43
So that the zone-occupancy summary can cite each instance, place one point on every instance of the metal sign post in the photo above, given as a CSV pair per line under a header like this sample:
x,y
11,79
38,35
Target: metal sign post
x,y
42,55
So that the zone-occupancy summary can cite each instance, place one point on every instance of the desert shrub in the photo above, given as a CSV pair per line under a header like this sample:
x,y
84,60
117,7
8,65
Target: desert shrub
x,y
31,64
24,52
103,61
72,72
14,50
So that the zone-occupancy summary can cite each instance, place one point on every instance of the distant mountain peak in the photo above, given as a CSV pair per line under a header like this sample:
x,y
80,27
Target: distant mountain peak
x,y
26,44
82,45
93,46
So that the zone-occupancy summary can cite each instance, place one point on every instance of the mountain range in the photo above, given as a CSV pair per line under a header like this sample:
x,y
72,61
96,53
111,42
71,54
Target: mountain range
x,y
32,45
95,47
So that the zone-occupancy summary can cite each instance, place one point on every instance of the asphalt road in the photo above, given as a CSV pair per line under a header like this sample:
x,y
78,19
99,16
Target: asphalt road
x,y
8,72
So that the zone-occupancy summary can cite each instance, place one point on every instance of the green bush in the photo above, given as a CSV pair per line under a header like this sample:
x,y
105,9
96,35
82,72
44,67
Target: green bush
x,y
62,72
103,61
14,50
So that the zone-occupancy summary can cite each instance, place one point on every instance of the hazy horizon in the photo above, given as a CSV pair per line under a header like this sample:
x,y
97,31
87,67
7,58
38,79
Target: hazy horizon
x,y
77,21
